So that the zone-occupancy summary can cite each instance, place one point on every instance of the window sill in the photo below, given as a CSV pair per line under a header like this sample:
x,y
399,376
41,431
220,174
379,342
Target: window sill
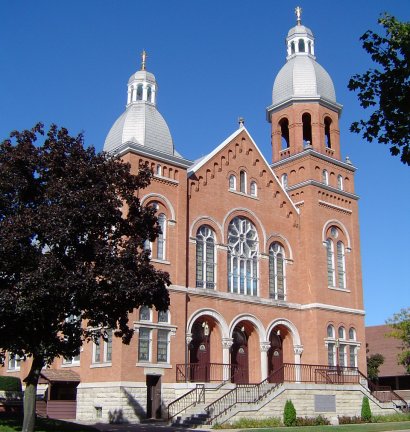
x,y
70,365
244,194
12,370
154,365
160,261
100,365
339,289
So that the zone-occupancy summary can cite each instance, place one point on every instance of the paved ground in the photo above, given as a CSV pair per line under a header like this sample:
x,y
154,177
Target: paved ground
x,y
144,427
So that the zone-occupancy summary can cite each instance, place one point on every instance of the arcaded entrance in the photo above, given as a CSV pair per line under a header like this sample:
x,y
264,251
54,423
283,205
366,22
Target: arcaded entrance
x,y
239,356
200,351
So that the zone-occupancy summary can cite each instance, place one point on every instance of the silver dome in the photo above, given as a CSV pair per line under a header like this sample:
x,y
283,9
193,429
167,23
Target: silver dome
x,y
142,75
302,77
299,29
142,124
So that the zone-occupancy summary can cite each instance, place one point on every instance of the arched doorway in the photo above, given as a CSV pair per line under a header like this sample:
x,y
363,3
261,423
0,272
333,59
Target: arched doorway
x,y
200,351
275,357
239,356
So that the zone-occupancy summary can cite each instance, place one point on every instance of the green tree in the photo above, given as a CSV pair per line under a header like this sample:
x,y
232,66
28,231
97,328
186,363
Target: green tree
x,y
72,259
400,324
366,413
386,89
289,414
374,361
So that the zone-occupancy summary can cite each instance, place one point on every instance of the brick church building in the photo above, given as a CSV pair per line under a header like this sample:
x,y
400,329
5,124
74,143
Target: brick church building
x,y
263,252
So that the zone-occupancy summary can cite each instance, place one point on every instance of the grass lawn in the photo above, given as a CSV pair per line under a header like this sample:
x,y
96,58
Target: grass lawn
x,y
367,427
12,424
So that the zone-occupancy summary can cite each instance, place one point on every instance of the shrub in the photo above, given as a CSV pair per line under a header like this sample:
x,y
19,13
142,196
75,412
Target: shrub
x,y
349,420
9,383
366,413
248,423
397,417
312,421
289,414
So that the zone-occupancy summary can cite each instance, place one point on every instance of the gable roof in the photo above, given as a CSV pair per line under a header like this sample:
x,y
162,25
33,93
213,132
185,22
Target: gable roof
x,y
202,161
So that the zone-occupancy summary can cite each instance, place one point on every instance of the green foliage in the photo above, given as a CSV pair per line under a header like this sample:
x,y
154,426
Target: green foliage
x,y
374,361
386,90
350,420
312,421
289,414
397,417
400,324
366,413
251,423
9,383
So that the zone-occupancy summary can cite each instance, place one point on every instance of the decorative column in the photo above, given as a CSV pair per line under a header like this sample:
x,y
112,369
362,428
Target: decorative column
x,y
226,347
298,350
265,346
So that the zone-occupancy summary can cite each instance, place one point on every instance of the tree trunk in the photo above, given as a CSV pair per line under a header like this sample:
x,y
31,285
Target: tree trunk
x,y
30,394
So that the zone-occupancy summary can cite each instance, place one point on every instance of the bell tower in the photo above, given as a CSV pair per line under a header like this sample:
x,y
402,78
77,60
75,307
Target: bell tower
x,y
304,113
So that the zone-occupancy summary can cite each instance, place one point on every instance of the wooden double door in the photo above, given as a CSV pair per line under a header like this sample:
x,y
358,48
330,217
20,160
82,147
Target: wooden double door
x,y
240,356
275,359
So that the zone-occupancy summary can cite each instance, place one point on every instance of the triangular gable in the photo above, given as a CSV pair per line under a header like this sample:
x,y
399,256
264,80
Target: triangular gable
x,y
204,160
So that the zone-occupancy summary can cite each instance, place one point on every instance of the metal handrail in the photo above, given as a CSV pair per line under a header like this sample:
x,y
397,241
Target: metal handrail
x,y
383,393
194,396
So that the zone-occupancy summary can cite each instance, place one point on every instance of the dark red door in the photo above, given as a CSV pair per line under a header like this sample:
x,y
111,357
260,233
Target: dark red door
x,y
275,359
200,354
153,396
240,357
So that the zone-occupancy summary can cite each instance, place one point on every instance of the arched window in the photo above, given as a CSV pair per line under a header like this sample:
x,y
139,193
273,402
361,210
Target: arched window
x,y
325,177
341,332
330,331
335,278
328,122
242,181
307,129
232,182
276,272
310,47
139,92
254,189
163,316
340,351
205,258
149,93
161,237
341,270
301,45
352,333
284,180
284,131
292,47
145,313
340,182
242,257
330,263
158,170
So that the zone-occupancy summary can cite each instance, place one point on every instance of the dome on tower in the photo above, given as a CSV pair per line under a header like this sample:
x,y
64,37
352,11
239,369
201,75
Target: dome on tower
x,y
141,123
302,78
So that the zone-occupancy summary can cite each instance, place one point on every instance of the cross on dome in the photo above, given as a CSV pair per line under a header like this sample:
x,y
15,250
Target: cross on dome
x,y
298,12
143,59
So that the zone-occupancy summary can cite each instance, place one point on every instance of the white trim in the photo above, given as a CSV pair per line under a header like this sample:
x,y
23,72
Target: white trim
x,y
206,220
330,222
219,319
250,318
328,204
289,325
169,206
279,237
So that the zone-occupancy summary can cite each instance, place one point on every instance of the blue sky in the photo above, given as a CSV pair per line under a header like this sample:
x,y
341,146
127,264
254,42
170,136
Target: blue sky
x,y
68,62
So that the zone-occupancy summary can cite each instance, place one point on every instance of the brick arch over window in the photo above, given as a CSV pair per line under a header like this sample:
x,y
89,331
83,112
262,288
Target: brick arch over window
x,y
279,238
335,244
341,226
290,326
219,319
146,199
252,319
206,220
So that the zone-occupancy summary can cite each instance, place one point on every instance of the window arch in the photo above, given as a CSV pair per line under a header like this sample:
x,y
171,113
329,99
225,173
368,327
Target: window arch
x,y
328,122
145,313
205,257
276,271
325,177
307,129
301,45
340,182
162,222
254,189
149,94
352,333
340,351
284,180
139,92
232,182
242,257
330,331
284,131
341,332
242,181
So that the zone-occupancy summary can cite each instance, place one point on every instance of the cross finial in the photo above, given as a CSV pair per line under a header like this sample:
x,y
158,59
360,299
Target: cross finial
x,y
143,59
241,122
298,12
